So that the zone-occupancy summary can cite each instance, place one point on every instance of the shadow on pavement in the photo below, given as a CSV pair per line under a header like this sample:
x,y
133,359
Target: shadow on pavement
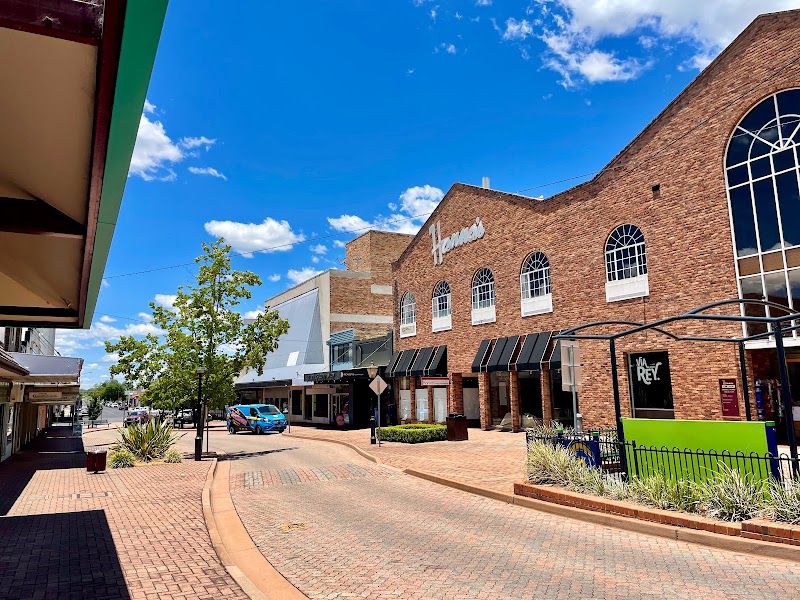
x,y
66,555
56,450
242,455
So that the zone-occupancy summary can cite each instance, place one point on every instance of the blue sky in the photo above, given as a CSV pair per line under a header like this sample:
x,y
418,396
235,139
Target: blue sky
x,y
300,124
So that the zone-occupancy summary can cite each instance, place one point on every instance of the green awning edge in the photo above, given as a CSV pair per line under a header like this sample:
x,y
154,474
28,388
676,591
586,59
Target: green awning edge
x,y
140,37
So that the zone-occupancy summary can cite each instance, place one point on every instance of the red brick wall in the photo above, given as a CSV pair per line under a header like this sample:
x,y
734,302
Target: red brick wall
x,y
686,228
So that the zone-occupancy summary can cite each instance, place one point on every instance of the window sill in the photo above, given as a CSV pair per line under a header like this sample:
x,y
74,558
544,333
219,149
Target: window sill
x,y
482,316
536,306
625,289
408,330
442,323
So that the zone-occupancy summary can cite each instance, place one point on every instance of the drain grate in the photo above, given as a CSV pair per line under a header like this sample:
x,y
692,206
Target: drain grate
x,y
85,495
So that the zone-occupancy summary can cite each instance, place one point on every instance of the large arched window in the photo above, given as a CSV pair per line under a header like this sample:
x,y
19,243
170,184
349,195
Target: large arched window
x,y
626,264
442,320
408,315
534,284
483,303
761,168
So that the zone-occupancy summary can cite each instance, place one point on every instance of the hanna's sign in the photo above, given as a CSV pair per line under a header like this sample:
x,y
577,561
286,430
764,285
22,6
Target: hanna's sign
x,y
442,246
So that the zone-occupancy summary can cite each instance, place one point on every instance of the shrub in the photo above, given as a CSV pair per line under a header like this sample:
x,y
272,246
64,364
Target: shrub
x,y
549,464
119,459
665,493
413,433
173,456
147,442
730,496
95,408
785,502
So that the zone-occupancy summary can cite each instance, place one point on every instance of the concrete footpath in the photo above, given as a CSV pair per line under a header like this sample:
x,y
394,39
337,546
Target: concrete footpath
x,y
124,534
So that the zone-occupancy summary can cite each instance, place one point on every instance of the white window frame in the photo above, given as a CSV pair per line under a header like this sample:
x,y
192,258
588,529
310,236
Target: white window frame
x,y
408,315
626,264
441,308
484,300
536,295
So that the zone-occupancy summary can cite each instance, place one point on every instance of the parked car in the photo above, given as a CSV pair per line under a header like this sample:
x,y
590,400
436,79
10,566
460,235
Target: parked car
x,y
258,418
83,413
114,405
136,416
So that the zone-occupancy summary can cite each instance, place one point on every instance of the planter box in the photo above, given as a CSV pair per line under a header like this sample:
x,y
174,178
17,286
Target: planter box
x,y
757,529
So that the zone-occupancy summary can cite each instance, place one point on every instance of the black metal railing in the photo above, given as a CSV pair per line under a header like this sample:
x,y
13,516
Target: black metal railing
x,y
601,449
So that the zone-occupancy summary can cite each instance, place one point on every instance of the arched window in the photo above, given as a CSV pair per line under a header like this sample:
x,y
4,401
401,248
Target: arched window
x,y
626,264
483,302
408,315
534,284
761,168
442,320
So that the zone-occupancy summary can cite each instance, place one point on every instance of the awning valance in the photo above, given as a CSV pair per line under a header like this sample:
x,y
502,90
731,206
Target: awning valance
x,y
403,364
513,353
424,362
532,352
438,364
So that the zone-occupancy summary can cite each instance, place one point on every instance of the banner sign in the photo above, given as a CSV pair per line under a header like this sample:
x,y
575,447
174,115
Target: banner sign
x,y
44,395
729,397
429,381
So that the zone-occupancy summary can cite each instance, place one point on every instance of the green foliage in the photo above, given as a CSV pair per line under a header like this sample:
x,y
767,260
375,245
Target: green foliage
x,y
785,502
95,407
665,493
413,433
147,442
107,391
204,329
119,459
173,456
729,495
556,465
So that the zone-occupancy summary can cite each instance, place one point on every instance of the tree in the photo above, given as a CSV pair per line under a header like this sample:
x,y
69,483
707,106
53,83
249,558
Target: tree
x,y
95,408
112,391
201,330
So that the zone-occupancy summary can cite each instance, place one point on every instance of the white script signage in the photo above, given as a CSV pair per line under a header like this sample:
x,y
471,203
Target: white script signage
x,y
442,246
646,373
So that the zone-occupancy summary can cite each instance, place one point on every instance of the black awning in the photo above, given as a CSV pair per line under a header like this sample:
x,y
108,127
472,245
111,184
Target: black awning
x,y
508,353
389,371
482,357
494,358
421,362
404,363
438,365
555,356
533,350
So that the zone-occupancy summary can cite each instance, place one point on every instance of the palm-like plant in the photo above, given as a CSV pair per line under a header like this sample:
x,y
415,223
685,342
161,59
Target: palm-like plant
x,y
147,442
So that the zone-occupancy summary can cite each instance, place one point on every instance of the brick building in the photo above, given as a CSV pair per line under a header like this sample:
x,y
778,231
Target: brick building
x,y
703,205
327,314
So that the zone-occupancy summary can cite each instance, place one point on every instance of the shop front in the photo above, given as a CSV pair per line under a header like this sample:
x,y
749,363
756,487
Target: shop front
x,y
422,385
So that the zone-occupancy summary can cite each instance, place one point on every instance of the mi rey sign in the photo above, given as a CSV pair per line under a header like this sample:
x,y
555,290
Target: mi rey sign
x,y
443,245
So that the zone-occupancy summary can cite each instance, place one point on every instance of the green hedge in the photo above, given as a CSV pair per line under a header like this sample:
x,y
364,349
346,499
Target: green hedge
x,y
413,433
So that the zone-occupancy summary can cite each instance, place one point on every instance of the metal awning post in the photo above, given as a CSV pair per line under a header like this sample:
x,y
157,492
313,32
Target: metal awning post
x,y
745,387
786,395
623,458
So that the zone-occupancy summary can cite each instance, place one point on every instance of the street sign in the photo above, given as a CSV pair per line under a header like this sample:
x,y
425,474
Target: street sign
x,y
378,385
571,368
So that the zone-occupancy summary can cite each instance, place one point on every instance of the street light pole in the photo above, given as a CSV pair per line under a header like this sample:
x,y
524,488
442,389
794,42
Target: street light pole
x,y
372,371
198,440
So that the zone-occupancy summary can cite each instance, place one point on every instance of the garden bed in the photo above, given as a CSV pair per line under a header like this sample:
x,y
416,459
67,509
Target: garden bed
x,y
757,529
413,433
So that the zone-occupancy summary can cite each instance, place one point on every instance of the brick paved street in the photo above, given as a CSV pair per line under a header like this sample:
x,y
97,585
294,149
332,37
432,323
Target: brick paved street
x,y
490,459
129,533
338,526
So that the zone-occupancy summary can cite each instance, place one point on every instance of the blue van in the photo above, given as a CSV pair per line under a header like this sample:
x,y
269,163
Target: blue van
x,y
258,418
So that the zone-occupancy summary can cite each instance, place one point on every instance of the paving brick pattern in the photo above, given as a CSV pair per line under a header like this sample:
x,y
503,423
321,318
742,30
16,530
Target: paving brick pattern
x,y
129,533
490,459
401,537
259,479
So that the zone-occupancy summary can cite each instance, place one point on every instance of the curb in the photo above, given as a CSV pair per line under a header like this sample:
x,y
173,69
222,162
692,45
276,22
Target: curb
x,y
712,540
235,548
353,447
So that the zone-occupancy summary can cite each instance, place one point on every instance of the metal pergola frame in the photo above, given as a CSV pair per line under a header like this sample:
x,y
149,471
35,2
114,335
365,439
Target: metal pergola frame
x,y
776,324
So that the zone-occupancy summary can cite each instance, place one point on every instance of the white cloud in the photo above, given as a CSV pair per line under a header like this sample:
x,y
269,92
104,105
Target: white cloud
x,y
207,171
196,142
319,249
517,30
274,277
339,243
104,283
153,151
70,342
147,317
483,2
149,107
166,300
111,358
416,204
92,365
252,314
247,238
107,319
299,276
315,259
574,28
